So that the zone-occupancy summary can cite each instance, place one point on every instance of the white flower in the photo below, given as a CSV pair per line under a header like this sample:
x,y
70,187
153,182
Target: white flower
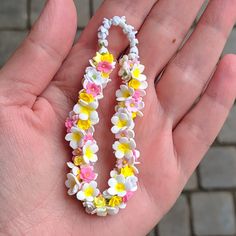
x,y
88,192
124,71
116,20
95,76
113,173
138,84
86,113
87,100
101,211
106,23
131,183
89,207
128,133
75,137
74,169
136,72
124,93
106,194
122,120
89,152
112,210
72,183
124,148
134,49
117,186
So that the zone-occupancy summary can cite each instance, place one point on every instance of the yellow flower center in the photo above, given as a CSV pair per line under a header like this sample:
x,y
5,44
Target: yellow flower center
x,y
76,136
121,123
78,160
86,110
72,183
121,104
115,201
88,192
108,57
105,75
124,147
84,124
124,162
120,187
136,73
134,114
88,152
86,97
125,94
100,201
127,171
135,84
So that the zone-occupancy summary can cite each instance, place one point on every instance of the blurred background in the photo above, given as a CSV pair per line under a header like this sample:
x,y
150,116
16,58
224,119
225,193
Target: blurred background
x,y
207,205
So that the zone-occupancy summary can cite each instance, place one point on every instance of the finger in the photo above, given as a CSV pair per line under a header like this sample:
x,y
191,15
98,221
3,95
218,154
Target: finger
x,y
35,63
69,78
186,76
198,129
163,32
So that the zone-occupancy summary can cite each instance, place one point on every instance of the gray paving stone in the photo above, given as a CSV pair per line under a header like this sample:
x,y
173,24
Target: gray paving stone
x,y
192,183
176,222
201,10
77,35
13,14
213,213
96,5
218,168
152,233
9,40
83,9
230,46
36,8
228,132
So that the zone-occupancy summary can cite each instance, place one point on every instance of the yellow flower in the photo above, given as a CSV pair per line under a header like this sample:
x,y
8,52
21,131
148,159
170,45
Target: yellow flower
x,y
105,75
127,171
84,124
134,114
108,57
97,58
78,160
121,104
136,73
115,201
86,97
135,84
100,201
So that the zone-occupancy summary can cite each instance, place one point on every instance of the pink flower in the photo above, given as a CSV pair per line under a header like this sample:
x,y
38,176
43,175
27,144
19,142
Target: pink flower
x,y
137,95
136,154
93,89
87,174
69,123
88,137
128,195
132,105
104,66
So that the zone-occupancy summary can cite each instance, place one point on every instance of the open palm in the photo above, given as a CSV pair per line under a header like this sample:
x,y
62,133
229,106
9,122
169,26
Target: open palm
x,y
39,85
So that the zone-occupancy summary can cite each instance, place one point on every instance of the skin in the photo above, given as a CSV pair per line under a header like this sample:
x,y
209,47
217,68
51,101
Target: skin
x,y
183,114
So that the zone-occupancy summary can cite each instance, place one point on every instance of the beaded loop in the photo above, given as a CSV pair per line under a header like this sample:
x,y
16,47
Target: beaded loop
x,y
81,180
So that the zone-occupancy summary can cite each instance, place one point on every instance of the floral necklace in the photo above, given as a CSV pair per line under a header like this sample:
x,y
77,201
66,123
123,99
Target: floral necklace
x,y
81,181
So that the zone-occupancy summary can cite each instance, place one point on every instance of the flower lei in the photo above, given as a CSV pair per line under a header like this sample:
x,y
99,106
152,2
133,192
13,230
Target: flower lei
x,y
81,181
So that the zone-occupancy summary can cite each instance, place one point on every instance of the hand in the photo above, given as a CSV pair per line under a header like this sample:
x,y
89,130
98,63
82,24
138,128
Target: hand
x,y
39,85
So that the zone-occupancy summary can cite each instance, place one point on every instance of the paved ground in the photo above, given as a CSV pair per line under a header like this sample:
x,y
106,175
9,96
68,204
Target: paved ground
x,y
207,205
